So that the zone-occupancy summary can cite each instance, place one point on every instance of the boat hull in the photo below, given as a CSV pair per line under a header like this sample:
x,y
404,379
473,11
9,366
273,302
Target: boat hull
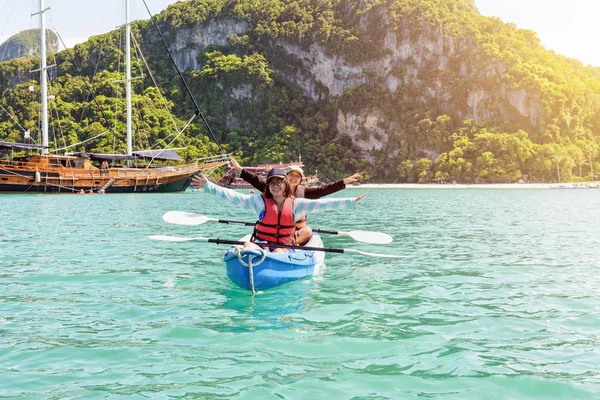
x,y
276,269
60,174
170,187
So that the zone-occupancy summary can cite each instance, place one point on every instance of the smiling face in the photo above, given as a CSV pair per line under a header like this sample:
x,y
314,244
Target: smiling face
x,y
294,178
277,187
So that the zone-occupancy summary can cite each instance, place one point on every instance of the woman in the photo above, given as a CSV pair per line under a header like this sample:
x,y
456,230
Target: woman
x,y
295,175
276,209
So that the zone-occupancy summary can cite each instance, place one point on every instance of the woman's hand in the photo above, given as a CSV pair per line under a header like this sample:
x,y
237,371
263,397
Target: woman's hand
x,y
362,196
351,179
235,164
199,180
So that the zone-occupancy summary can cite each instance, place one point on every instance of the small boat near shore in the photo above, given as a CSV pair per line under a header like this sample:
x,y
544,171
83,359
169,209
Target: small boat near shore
x,y
260,270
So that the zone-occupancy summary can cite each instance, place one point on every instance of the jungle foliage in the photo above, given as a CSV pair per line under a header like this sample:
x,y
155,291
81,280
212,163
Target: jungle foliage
x,y
259,115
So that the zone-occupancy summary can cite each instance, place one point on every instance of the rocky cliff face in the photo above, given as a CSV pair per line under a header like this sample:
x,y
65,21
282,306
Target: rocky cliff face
x,y
369,130
324,77
191,42
27,44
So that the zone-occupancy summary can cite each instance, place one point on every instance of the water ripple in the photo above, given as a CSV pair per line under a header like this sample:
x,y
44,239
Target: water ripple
x,y
498,300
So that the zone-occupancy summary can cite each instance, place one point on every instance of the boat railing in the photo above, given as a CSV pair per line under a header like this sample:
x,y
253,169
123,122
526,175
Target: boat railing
x,y
222,158
208,164
165,170
15,164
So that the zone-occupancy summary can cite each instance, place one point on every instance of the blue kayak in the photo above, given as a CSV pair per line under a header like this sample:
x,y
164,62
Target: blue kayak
x,y
272,269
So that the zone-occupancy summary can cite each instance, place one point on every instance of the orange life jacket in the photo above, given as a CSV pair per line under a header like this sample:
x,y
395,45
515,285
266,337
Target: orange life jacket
x,y
274,227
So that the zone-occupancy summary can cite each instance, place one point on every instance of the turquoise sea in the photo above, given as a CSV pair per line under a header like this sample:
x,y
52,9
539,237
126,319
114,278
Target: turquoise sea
x,y
499,300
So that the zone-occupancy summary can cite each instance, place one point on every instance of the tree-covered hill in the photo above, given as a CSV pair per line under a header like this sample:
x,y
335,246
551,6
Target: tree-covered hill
x,y
402,90
27,44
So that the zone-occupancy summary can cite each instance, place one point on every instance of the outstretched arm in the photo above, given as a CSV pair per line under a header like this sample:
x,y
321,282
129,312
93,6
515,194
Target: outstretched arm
x,y
248,176
253,203
324,190
351,179
306,206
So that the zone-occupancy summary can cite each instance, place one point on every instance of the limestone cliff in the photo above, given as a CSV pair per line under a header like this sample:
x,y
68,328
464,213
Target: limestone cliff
x,y
27,44
191,42
426,66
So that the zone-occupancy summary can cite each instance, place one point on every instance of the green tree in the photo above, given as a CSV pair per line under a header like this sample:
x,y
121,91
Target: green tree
x,y
422,170
406,171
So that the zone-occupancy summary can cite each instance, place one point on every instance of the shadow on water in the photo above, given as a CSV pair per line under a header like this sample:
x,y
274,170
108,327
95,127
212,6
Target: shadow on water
x,y
271,309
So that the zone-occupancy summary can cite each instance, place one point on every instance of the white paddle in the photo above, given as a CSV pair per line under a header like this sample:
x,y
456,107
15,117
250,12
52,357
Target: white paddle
x,y
186,218
239,242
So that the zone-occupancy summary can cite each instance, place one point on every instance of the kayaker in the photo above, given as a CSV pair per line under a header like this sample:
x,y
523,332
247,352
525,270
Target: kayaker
x,y
295,175
276,209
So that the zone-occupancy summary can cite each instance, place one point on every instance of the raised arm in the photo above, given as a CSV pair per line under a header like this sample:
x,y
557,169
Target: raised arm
x,y
324,190
307,206
254,203
248,176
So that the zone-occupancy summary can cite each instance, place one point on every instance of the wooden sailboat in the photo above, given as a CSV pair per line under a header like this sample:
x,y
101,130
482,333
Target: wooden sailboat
x,y
48,172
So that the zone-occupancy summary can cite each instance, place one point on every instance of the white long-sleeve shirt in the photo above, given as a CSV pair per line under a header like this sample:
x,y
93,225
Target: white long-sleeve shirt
x,y
256,205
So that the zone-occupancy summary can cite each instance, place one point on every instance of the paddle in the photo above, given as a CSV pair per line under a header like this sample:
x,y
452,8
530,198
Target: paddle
x,y
239,242
185,218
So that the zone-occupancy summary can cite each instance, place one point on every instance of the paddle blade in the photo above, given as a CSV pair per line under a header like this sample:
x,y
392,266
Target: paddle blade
x,y
166,238
369,237
184,218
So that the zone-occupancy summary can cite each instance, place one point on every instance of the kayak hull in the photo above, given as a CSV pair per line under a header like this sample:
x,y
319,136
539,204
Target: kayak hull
x,y
272,269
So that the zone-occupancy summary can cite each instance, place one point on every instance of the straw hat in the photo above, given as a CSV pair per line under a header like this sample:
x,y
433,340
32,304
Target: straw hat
x,y
296,169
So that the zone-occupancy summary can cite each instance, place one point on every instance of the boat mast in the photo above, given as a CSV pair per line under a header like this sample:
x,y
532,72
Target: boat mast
x,y
43,83
127,79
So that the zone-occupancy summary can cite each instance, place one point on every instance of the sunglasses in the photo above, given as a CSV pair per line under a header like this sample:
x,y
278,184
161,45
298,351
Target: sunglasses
x,y
276,182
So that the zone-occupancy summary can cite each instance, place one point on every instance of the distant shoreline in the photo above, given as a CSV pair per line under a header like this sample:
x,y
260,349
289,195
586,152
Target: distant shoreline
x,y
470,186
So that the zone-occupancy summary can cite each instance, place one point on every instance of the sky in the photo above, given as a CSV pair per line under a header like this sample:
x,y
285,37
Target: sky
x,y
74,20
569,27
